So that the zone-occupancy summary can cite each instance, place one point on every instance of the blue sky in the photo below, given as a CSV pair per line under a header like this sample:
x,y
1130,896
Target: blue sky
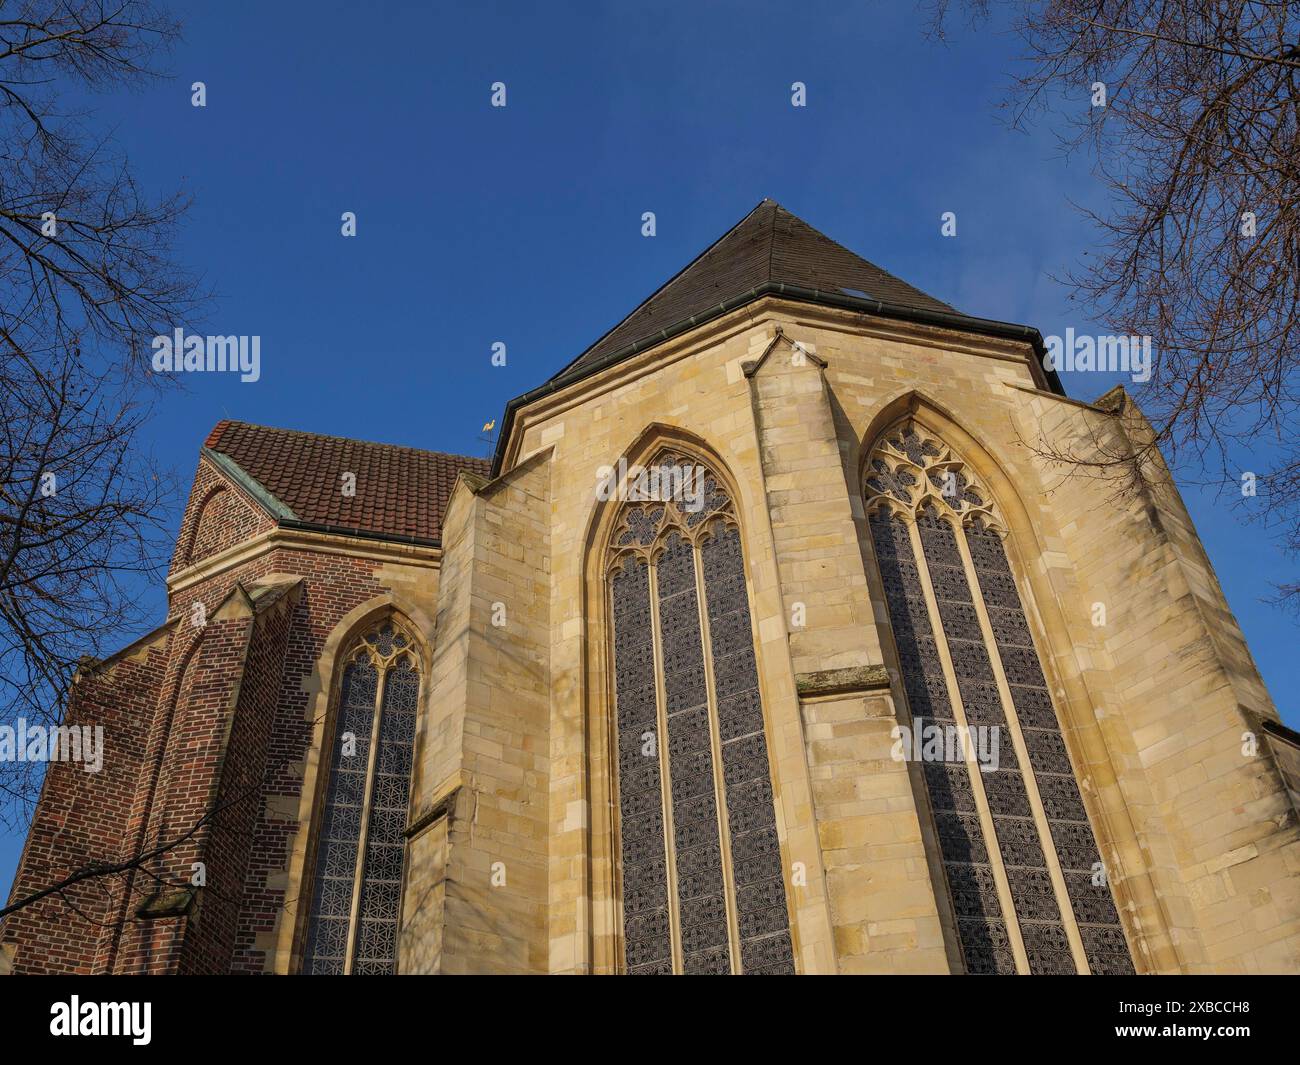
x,y
522,224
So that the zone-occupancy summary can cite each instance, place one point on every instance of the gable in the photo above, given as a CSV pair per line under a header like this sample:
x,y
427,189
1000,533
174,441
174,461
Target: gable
x,y
218,516
223,520
768,248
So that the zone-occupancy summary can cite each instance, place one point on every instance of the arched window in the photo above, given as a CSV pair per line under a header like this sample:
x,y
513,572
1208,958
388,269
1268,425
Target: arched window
x,y
968,661
702,882
357,889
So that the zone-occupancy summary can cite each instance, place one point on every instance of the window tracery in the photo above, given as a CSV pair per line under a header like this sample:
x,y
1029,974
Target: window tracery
x,y
934,529
357,888
703,889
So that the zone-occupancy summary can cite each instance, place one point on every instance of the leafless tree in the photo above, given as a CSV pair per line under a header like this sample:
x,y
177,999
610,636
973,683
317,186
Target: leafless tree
x,y
87,278
146,868
1198,143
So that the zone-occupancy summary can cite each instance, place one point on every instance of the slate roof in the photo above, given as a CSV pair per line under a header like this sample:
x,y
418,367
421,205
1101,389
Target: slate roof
x,y
768,246
401,492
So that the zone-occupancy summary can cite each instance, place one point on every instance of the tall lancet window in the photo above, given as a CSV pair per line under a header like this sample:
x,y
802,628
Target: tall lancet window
x,y
1029,892
702,884
357,889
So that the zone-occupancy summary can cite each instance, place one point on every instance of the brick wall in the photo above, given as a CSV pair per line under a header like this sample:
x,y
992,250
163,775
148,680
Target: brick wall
x,y
196,717
81,817
332,586
217,516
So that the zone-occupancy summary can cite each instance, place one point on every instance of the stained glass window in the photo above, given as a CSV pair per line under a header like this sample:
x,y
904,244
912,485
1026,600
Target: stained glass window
x,y
702,883
357,888
955,612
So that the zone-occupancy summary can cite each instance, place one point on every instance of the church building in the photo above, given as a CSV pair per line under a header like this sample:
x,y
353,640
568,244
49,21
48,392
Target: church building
x,y
775,638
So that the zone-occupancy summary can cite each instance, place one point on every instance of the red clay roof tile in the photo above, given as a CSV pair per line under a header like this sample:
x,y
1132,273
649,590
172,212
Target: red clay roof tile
x,y
401,492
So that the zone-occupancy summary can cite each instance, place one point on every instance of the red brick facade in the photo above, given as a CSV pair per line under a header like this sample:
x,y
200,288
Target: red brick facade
x,y
206,733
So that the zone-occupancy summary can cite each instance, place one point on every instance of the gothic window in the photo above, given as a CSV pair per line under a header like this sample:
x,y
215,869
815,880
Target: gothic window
x,y
702,883
357,888
968,661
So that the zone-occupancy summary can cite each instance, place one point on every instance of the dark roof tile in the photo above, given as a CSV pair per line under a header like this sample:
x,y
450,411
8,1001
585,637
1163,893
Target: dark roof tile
x,y
768,245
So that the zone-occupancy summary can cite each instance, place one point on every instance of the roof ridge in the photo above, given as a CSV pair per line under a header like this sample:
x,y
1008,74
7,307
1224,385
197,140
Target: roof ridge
x,y
662,288
731,269
822,235
214,438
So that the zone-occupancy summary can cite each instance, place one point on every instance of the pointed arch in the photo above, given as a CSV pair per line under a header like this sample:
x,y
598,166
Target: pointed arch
x,y
182,671
945,425
696,878
1027,886
204,524
655,437
350,878
319,716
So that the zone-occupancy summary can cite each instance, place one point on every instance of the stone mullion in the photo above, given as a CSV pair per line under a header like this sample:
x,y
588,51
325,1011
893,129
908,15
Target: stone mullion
x,y
1072,840
1005,899
373,888
401,888
972,903
1019,843
364,834
644,890
665,772
719,785
757,869
697,855
1022,756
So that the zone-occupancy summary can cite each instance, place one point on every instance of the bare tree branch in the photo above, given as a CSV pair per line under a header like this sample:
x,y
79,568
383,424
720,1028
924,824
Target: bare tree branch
x,y
87,279
1198,144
